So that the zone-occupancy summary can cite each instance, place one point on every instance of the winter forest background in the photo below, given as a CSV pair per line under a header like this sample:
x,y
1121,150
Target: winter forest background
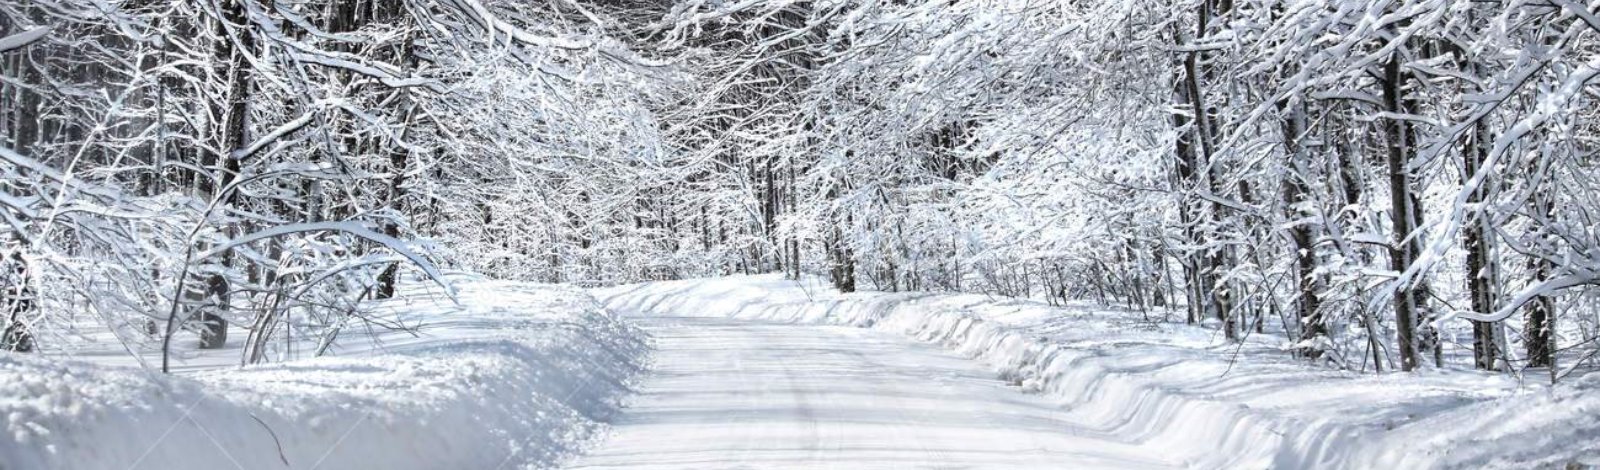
x,y
1389,184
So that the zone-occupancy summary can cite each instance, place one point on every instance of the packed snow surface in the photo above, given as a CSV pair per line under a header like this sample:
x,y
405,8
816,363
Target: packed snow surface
x,y
757,394
737,388
515,376
759,372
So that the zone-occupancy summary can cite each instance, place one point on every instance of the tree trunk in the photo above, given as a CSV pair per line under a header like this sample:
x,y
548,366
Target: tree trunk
x,y
794,238
1211,265
769,214
17,300
1187,176
1400,253
399,157
25,119
1475,239
844,268
1539,318
1295,197
209,302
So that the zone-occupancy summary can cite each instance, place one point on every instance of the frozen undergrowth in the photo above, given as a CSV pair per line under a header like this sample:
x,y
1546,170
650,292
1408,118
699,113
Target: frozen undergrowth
x,y
1214,405
515,376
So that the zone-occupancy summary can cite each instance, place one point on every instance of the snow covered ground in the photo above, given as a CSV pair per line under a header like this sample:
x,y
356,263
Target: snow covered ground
x,y
759,372
516,376
1179,393
756,394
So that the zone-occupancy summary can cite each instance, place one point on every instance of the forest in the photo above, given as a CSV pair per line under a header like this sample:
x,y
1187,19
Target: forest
x,y
1391,185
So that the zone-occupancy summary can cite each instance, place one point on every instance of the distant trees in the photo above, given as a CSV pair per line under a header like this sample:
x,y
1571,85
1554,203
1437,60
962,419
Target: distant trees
x,y
208,163
1361,175
1374,180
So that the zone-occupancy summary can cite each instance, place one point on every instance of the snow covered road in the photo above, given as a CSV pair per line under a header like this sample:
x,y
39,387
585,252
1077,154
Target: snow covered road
x,y
727,393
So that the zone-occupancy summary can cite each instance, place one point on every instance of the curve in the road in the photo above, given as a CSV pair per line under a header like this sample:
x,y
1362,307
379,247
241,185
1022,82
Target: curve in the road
x,y
743,394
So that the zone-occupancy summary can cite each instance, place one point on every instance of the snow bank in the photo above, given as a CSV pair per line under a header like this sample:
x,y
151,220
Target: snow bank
x,y
1210,404
516,376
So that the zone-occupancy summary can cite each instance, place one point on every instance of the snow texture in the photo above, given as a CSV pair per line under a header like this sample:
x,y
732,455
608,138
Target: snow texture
x,y
1206,403
515,376
734,393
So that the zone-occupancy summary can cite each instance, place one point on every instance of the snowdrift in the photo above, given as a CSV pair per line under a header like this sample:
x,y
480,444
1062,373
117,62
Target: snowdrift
x,y
1209,404
515,376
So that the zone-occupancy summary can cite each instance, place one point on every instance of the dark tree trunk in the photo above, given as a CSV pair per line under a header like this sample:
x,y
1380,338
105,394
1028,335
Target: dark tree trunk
x,y
774,209
399,159
1539,318
1191,260
209,303
25,119
1211,262
1480,271
794,239
1400,253
844,266
16,301
1295,195
236,108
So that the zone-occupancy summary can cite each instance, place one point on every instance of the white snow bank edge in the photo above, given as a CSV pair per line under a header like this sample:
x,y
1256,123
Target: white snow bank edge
x,y
515,398
1195,432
